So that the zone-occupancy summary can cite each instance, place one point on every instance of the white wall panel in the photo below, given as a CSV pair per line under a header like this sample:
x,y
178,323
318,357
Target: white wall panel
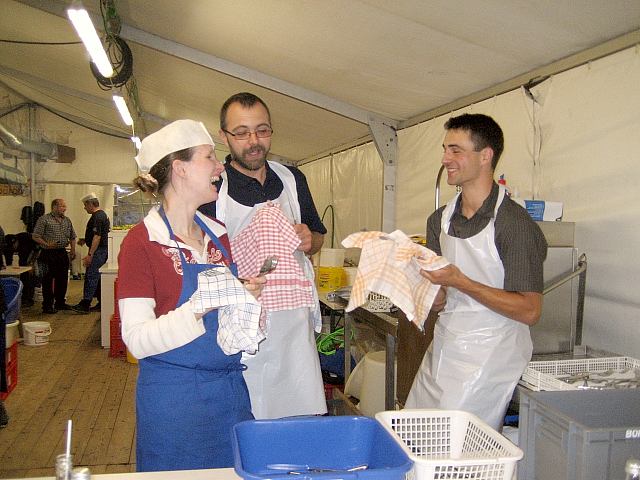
x,y
590,158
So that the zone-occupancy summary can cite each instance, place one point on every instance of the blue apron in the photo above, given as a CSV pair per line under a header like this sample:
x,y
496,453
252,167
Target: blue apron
x,y
189,398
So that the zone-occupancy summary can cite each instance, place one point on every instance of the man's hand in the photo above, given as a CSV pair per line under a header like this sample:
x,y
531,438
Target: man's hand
x,y
254,285
449,276
304,234
86,261
81,242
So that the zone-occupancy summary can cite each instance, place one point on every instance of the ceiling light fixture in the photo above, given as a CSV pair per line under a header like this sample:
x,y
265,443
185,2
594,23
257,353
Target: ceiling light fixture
x,y
122,108
136,141
87,33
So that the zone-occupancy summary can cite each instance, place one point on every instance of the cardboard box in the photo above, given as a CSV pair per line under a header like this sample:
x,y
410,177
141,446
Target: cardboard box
x,y
541,210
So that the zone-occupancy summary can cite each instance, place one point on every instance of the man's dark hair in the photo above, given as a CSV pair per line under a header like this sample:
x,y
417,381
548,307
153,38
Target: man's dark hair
x,y
246,99
483,130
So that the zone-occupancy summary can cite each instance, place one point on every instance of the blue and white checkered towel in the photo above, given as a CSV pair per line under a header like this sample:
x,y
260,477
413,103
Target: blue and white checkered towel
x,y
238,310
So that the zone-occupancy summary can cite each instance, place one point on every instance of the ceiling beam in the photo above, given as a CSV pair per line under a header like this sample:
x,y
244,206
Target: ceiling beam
x,y
212,62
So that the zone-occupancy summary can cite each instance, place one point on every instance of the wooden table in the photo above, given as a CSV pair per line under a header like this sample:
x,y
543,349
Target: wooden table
x,y
14,271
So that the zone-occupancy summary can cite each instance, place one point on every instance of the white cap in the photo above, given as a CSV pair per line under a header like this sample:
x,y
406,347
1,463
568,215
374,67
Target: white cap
x,y
176,136
89,196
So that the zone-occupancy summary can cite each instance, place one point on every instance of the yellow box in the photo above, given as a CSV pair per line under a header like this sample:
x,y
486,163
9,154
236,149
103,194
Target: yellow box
x,y
330,278
131,358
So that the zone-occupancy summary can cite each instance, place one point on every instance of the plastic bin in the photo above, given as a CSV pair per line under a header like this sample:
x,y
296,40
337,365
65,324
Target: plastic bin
x,y
578,435
327,442
12,288
542,375
451,444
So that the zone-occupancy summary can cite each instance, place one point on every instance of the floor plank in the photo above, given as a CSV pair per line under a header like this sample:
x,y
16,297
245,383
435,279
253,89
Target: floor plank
x,y
71,377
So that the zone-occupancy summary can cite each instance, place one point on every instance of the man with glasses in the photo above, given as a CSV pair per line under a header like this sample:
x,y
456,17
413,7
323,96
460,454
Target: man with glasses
x,y
283,377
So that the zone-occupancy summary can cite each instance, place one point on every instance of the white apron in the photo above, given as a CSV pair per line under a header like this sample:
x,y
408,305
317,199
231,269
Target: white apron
x,y
284,376
477,355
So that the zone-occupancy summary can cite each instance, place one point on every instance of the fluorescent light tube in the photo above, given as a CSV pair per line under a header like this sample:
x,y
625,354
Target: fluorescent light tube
x,y
87,33
122,108
136,141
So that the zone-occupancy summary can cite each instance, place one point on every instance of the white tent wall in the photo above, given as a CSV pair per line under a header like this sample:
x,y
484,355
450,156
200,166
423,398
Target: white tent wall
x,y
590,158
319,178
577,144
350,181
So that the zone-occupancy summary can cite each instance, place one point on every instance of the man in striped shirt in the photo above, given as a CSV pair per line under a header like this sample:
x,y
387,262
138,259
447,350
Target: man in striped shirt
x,y
53,232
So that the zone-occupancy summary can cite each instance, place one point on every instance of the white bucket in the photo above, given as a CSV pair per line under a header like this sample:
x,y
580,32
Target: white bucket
x,y
36,333
12,333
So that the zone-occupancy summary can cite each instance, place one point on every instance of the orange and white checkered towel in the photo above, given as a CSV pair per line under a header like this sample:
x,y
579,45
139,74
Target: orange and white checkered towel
x,y
390,266
270,233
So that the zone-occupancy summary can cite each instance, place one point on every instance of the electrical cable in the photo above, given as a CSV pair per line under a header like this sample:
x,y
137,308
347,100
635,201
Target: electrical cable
x,y
121,60
329,343
26,42
11,110
333,222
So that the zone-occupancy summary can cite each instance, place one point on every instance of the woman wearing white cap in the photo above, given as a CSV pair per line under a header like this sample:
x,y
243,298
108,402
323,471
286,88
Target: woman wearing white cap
x,y
189,392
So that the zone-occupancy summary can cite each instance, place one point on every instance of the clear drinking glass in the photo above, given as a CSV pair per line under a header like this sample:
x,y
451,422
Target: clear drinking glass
x,y
64,465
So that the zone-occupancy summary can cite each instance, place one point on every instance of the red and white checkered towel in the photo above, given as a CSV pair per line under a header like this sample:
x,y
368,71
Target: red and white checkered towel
x,y
390,265
239,312
270,233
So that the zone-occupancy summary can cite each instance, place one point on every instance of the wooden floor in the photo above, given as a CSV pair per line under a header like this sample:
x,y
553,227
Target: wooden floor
x,y
71,377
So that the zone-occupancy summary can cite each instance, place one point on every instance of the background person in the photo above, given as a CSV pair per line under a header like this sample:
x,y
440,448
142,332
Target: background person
x,y
284,376
189,393
493,287
96,237
22,244
53,232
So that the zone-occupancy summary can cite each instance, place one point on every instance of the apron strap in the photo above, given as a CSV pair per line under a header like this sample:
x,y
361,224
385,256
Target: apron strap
x,y
204,227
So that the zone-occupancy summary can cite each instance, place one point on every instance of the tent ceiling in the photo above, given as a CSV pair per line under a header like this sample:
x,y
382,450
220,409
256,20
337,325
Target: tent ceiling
x,y
321,65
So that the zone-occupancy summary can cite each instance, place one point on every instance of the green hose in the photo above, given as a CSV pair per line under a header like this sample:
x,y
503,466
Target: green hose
x,y
328,343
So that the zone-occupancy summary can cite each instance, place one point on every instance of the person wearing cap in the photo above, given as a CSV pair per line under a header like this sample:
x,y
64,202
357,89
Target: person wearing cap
x,y
96,237
189,392
284,376
53,232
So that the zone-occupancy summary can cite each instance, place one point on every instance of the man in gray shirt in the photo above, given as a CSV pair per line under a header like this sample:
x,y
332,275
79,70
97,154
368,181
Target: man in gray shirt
x,y
53,232
492,291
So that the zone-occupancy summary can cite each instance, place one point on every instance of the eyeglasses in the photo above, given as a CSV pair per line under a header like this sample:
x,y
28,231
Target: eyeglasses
x,y
260,132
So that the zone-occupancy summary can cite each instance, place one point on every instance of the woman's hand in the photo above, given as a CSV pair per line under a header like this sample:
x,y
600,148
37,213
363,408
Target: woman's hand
x,y
254,285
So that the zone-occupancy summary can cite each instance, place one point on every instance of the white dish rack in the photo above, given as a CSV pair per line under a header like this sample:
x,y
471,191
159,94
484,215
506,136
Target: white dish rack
x,y
451,444
543,375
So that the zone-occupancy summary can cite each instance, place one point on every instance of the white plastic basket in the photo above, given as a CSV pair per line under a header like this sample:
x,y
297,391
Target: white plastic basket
x,y
451,444
378,303
542,375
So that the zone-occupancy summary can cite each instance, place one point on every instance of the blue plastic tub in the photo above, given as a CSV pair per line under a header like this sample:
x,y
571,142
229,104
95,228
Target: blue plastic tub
x,y
318,442
12,288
